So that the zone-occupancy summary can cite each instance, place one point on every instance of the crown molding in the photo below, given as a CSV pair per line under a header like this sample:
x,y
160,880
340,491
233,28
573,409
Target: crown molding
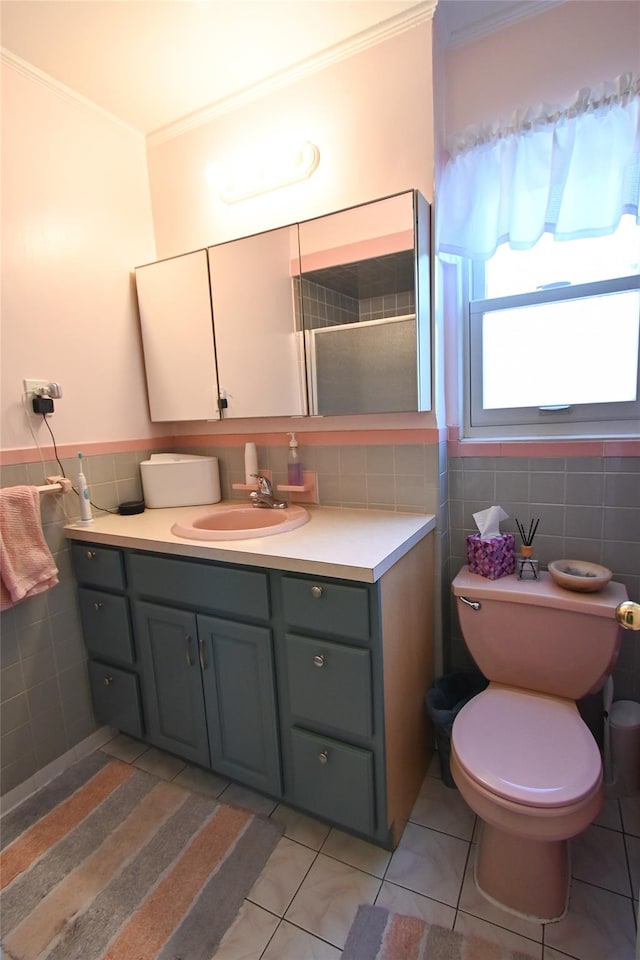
x,y
406,20
60,89
498,19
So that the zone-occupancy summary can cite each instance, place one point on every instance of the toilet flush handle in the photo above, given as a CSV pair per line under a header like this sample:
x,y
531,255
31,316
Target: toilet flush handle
x,y
474,604
628,615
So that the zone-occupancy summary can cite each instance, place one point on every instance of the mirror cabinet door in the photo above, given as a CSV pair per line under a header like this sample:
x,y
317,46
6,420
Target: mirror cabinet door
x,y
177,337
259,350
365,312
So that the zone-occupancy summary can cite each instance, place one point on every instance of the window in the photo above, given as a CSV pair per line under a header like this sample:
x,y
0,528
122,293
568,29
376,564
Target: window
x,y
554,338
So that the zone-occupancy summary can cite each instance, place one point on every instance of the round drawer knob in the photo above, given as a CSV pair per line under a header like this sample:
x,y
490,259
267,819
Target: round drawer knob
x,y
97,605
324,756
318,660
316,592
108,681
90,554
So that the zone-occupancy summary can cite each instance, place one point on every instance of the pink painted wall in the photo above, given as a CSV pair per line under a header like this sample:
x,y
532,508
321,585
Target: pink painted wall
x,y
544,59
76,218
370,115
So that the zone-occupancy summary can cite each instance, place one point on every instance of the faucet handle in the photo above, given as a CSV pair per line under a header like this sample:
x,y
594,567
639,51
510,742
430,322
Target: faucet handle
x,y
264,484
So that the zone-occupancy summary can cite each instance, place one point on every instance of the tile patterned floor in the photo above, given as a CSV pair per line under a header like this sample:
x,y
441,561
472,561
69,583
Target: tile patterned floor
x,y
303,904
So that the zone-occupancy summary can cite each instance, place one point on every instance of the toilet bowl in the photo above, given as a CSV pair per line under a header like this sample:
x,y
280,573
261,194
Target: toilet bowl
x,y
521,755
529,767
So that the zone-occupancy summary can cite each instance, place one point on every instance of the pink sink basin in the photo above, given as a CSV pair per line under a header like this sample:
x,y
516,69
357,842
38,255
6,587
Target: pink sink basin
x,y
240,522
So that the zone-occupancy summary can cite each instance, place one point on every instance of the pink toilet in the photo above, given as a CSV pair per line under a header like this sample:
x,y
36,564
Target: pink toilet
x,y
521,755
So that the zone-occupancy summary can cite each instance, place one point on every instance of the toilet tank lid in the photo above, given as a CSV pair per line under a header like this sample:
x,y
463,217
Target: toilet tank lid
x,y
539,593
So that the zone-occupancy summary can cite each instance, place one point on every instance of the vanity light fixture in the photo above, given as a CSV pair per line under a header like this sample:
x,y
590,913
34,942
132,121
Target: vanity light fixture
x,y
280,165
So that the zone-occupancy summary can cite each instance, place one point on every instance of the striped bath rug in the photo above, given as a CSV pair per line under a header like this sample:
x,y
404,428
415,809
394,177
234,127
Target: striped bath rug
x,y
107,862
377,934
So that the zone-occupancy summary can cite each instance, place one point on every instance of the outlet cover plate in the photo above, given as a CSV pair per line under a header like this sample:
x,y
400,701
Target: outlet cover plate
x,y
42,388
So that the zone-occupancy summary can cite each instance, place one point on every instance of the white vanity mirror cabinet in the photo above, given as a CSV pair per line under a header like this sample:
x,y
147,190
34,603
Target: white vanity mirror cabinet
x,y
219,331
174,302
328,316
260,354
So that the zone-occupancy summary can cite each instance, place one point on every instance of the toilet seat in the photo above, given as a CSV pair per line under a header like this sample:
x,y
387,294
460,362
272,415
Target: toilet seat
x,y
527,748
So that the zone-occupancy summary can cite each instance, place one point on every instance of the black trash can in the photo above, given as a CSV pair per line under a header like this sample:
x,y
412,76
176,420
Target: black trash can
x,y
444,700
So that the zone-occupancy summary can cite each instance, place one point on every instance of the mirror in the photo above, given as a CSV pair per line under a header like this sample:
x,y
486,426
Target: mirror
x,y
365,303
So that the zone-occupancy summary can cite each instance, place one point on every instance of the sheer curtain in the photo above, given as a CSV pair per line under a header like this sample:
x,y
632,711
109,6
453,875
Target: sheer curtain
x,y
571,172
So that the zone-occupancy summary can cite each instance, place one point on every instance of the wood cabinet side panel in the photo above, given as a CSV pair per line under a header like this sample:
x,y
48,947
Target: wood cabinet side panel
x,y
406,596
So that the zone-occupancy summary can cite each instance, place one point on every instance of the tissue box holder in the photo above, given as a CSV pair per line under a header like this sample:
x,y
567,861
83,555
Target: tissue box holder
x,y
492,558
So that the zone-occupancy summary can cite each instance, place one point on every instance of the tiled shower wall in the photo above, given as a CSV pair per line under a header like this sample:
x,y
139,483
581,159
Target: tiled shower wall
x,y
589,509
45,705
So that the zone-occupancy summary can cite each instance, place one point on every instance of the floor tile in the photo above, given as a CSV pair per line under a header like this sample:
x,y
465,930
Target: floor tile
x,y
283,873
239,796
298,826
598,856
430,863
609,816
633,854
291,943
474,903
506,938
249,934
201,781
124,748
630,808
328,900
357,853
441,808
160,764
411,904
599,925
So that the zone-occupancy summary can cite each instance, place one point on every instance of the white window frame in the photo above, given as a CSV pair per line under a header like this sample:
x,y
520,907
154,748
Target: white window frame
x,y
581,420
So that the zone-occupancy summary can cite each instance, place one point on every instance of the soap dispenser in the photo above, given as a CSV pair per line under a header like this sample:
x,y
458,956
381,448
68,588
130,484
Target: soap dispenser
x,y
294,466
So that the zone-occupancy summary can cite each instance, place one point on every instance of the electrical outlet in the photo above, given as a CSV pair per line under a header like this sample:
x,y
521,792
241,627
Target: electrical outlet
x,y
42,388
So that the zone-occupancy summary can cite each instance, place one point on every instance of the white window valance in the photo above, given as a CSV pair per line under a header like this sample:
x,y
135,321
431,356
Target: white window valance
x,y
572,172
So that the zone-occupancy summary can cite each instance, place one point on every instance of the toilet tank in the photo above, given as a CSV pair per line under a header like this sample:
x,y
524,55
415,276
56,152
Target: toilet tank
x,y
536,635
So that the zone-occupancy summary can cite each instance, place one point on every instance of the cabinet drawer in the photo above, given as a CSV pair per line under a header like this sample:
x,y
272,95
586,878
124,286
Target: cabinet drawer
x,y
326,608
333,780
106,625
116,698
100,566
329,684
241,593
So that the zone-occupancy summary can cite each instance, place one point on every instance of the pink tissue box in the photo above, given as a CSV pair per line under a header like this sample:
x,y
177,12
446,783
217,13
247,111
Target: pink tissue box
x,y
492,558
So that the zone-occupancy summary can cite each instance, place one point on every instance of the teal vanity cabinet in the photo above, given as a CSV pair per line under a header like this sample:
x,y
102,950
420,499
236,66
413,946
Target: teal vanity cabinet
x,y
354,661
206,650
307,688
113,664
328,671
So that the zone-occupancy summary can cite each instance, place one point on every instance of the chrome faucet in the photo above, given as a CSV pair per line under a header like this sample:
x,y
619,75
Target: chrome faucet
x,y
264,496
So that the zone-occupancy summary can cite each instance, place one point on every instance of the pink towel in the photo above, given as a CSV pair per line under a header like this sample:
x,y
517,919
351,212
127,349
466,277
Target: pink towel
x,y
26,564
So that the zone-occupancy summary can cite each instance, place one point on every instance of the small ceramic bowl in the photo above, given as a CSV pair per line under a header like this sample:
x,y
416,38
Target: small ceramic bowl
x,y
579,575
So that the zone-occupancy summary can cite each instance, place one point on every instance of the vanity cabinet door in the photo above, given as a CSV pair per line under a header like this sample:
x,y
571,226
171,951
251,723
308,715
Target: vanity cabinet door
x,y
260,353
172,681
116,698
239,691
334,780
174,302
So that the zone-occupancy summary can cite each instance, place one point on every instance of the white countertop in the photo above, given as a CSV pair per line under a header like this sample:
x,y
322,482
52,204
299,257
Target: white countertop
x,y
349,544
